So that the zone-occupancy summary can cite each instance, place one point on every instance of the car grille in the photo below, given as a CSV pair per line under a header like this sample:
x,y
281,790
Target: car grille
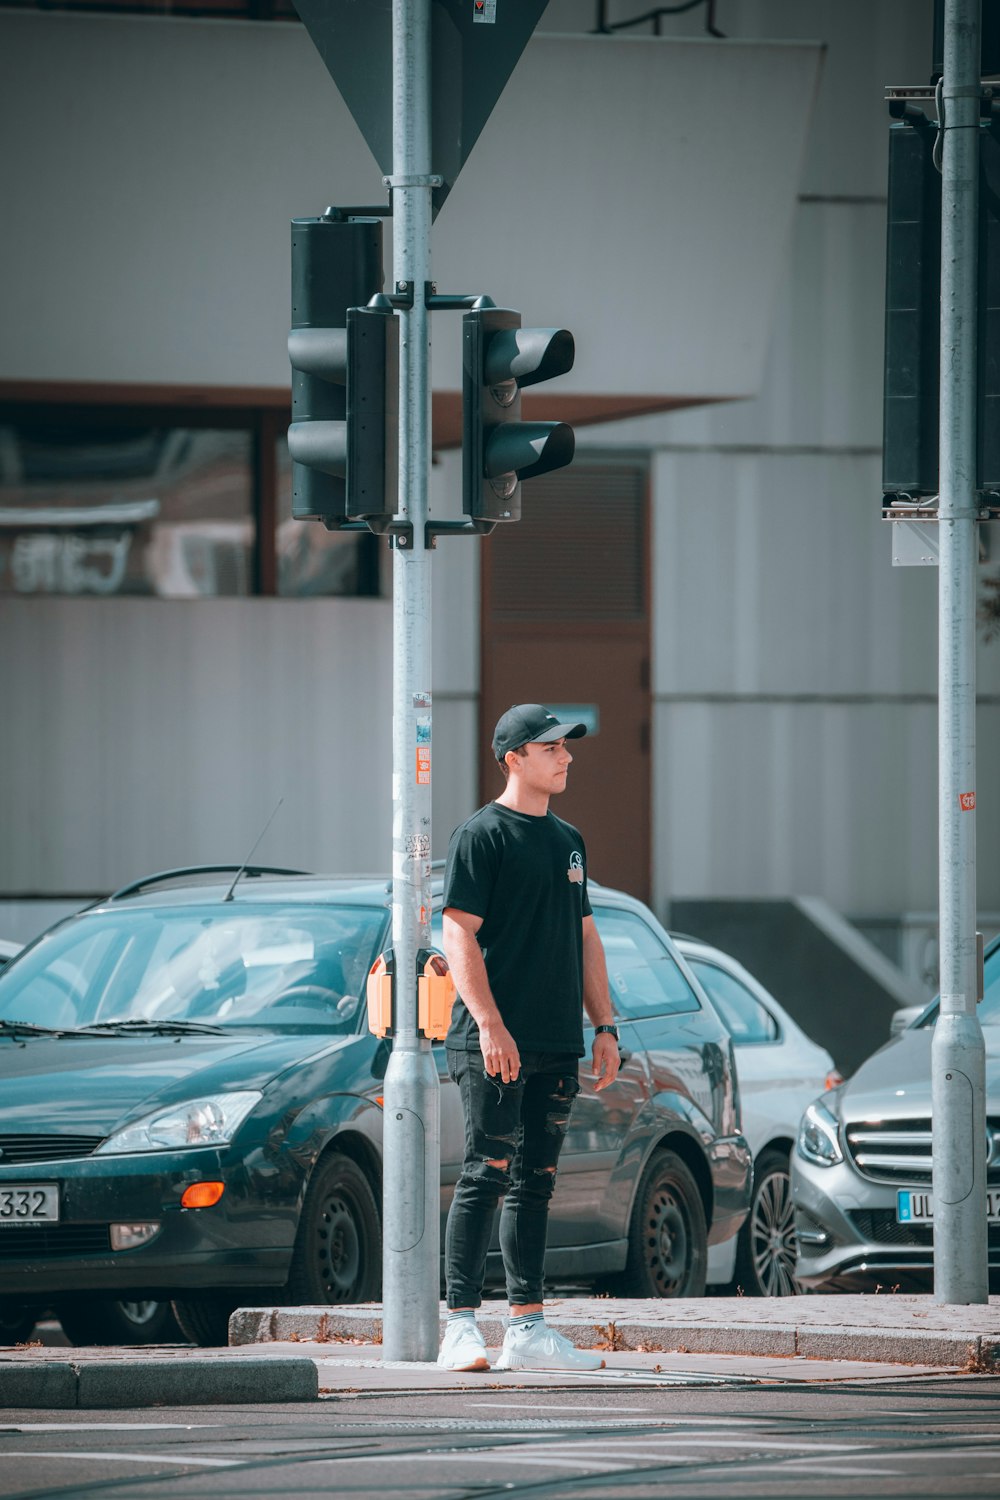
x,y
879,1227
900,1150
21,1148
49,1241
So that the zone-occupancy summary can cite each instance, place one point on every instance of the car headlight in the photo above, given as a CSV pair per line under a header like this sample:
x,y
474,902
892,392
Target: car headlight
x,y
210,1121
819,1139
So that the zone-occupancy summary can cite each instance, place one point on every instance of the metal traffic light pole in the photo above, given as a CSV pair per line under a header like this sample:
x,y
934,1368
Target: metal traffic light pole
x,y
411,1123
958,1059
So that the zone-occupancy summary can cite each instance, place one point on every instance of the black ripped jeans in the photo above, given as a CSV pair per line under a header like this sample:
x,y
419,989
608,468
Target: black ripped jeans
x,y
523,1124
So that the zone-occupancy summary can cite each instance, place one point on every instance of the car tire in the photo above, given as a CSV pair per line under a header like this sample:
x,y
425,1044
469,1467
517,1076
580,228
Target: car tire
x,y
765,1246
338,1248
204,1319
17,1320
668,1239
103,1320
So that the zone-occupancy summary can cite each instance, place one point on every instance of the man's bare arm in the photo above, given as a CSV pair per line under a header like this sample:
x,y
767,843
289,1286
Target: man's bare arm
x,y
465,958
597,1004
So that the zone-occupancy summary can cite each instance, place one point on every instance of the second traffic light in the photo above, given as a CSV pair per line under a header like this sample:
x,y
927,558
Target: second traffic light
x,y
910,454
498,449
345,375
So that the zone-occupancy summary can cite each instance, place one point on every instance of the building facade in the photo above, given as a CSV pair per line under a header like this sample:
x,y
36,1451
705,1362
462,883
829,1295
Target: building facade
x,y
711,581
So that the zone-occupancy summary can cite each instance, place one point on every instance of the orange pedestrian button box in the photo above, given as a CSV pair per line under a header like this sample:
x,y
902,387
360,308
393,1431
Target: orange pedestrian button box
x,y
435,994
381,979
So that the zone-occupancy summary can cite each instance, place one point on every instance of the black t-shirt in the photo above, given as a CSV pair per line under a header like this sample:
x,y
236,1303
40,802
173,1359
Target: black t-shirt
x,y
527,878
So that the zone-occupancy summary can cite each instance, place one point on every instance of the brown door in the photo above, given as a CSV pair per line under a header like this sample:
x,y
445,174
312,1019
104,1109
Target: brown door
x,y
565,622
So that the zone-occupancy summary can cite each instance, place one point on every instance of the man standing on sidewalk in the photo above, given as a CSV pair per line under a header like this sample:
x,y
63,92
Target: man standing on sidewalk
x,y
527,959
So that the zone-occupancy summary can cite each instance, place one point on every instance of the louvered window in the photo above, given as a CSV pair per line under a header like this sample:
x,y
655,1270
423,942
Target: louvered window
x,y
578,551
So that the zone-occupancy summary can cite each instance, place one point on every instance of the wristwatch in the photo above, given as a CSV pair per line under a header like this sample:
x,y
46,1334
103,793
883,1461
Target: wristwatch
x,y
612,1031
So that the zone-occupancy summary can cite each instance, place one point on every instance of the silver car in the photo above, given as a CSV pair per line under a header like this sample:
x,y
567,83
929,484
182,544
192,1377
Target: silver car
x,y
780,1069
861,1173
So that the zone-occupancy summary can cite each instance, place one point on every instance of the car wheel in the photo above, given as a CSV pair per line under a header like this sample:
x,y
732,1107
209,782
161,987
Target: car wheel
x,y
204,1319
338,1248
103,1320
765,1247
17,1320
667,1243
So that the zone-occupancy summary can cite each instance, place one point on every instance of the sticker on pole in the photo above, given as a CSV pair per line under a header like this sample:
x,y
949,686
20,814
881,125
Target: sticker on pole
x,y
967,801
424,751
485,11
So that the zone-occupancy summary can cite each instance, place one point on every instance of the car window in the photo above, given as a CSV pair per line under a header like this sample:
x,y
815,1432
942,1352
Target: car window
x,y
644,976
988,1009
743,1015
279,966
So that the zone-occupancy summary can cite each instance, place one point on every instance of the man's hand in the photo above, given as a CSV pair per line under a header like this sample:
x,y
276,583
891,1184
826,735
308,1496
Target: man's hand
x,y
606,1060
500,1054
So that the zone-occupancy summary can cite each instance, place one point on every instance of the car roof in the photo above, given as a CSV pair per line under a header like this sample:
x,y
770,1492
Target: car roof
x,y
257,885
692,947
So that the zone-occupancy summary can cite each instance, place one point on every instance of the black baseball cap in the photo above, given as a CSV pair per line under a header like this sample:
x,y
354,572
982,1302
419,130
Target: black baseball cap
x,y
531,724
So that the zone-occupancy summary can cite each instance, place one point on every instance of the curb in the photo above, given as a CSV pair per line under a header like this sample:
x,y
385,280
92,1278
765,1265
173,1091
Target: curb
x,y
158,1382
870,1345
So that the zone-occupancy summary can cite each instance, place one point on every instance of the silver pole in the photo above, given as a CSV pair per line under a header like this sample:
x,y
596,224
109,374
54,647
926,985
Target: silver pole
x,y
958,1058
412,1144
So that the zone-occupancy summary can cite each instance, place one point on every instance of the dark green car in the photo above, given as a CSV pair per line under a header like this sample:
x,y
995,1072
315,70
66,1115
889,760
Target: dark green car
x,y
190,1107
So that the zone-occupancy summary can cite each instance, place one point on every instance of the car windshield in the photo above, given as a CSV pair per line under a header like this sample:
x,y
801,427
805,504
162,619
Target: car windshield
x,y
279,967
988,1010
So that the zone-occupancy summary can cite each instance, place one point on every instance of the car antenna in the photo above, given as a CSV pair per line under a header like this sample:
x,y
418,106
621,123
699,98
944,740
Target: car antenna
x,y
242,869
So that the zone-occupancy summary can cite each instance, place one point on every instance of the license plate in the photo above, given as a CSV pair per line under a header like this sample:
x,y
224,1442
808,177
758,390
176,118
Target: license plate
x,y
30,1203
916,1206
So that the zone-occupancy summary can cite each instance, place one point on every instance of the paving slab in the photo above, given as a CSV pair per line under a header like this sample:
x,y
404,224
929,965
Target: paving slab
x,y
361,1370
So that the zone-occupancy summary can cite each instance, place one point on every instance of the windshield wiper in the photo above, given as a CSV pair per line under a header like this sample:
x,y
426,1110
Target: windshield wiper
x,y
28,1028
140,1023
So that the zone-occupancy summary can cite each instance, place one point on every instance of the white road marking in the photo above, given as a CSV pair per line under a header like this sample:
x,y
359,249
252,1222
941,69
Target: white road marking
x,y
137,1458
111,1426
681,1440
549,1406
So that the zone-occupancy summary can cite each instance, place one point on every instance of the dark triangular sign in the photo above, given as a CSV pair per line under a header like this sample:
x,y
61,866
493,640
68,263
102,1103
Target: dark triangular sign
x,y
475,46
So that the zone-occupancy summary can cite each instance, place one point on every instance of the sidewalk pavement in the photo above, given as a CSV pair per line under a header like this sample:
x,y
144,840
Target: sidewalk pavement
x,y
290,1354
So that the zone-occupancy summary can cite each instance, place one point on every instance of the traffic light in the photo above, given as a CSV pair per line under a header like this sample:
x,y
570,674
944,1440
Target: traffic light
x,y
913,314
345,374
498,449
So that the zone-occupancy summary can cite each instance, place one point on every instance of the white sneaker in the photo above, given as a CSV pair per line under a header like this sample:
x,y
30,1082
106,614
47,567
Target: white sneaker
x,y
462,1347
541,1348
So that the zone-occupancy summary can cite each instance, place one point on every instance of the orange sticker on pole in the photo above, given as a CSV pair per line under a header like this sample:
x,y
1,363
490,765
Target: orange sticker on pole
x,y
967,801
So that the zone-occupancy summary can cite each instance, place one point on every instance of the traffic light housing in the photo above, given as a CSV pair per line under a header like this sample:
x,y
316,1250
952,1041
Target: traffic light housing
x,y
910,458
912,313
345,375
498,449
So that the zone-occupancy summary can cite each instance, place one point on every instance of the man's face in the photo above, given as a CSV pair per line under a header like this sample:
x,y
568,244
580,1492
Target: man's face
x,y
543,768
